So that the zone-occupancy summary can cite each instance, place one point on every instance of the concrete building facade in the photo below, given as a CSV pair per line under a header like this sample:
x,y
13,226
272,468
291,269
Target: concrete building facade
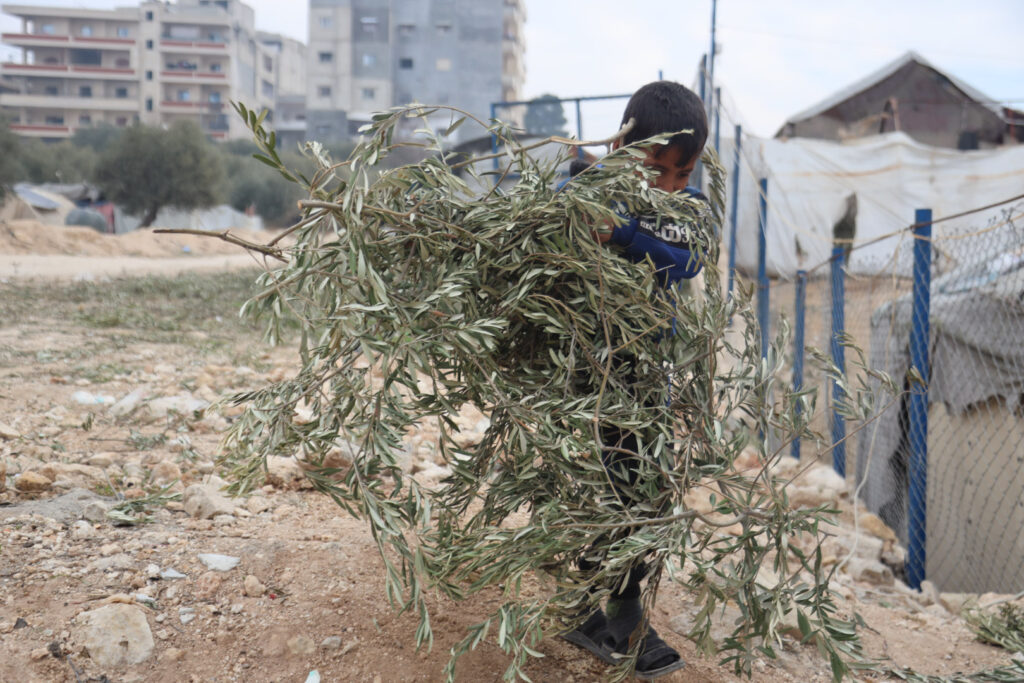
x,y
368,55
155,64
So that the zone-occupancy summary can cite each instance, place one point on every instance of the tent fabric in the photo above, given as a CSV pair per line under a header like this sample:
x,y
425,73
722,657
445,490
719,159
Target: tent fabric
x,y
810,181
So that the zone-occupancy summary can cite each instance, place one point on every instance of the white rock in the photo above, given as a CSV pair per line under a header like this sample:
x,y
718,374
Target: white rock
x,y
171,574
331,643
203,501
82,530
115,635
252,587
128,403
186,614
257,504
182,404
153,570
284,472
8,432
96,511
219,563
869,571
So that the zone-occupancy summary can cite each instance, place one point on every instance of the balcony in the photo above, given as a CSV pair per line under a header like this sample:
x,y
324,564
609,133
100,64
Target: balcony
x,y
192,76
48,40
66,102
192,46
41,130
192,106
68,71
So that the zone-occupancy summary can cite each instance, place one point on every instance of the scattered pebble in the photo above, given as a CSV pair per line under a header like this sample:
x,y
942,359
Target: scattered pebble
x,y
219,563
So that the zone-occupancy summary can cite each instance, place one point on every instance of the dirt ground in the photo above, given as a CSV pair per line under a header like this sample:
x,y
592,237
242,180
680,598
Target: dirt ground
x,y
307,593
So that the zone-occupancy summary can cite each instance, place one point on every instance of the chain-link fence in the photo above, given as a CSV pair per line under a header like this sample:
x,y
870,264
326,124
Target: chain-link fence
x,y
942,463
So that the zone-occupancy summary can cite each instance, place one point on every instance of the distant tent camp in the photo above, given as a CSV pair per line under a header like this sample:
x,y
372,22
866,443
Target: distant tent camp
x,y
912,96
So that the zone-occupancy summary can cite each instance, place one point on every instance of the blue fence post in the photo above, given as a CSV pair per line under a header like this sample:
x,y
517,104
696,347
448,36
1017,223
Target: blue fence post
x,y
918,410
798,348
838,358
762,267
733,209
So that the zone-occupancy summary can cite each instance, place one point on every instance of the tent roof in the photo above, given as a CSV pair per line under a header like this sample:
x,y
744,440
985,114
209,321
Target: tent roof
x,y
883,73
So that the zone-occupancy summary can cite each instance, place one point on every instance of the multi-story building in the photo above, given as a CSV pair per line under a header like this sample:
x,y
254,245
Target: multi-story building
x,y
155,63
367,55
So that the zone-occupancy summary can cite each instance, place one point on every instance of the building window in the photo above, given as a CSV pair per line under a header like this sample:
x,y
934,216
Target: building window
x,y
50,90
326,21
444,29
215,68
326,57
85,91
149,44
368,59
121,121
47,29
324,91
123,32
268,63
122,63
444,64
149,75
405,63
86,31
215,97
406,30
149,16
184,95
369,93
368,25
266,86
149,104
84,120
54,120
121,93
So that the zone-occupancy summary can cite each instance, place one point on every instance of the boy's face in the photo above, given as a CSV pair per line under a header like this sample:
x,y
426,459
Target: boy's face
x,y
673,170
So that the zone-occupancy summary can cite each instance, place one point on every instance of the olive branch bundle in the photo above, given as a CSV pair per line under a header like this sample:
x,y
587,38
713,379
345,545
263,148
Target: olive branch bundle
x,y
416,294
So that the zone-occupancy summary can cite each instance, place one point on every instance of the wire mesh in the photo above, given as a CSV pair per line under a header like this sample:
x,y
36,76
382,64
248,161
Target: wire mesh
x,y
970,517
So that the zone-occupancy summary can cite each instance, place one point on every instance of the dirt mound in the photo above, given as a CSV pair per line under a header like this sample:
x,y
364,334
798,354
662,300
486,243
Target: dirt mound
x,y
23,237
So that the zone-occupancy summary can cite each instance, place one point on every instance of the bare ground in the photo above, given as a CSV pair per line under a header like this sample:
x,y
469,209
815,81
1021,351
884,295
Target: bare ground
x,y
318,570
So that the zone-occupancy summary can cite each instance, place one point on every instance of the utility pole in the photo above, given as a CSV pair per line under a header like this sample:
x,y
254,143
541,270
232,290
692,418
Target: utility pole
x,y
711,61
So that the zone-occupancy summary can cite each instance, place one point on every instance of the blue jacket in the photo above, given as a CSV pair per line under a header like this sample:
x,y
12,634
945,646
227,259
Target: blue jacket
x,y
667,245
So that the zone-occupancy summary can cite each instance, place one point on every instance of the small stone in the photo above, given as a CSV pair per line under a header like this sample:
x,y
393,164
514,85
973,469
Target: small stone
x,y
207,585
204,467
205,502
237,608
331,643
171,574
153,570
39,653
31,482
116,634
954,603
108,549
19,623
172,654
869,571
257,504
301,646
186,614
219,563
252,587
82,530
165,471
8,432
101,460
874,525
284,472
96,511
223,520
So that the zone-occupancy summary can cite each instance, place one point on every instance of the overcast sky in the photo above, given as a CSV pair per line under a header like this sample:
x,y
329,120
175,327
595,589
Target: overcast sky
x,y
775,58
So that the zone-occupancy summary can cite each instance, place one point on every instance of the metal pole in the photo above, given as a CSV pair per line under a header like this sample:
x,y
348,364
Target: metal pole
x,y
579,128
711,53
718,118
918,409
798,348
733,208
494,138
838,358
762,267
698,171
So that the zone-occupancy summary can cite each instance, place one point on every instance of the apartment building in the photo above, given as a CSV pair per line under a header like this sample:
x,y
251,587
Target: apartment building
x,y
155,63
368,55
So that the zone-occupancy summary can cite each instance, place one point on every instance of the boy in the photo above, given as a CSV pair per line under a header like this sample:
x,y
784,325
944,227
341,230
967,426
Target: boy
x,y
656,108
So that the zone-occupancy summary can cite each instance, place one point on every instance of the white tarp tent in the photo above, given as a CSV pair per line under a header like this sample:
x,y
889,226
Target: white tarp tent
x,y
809,182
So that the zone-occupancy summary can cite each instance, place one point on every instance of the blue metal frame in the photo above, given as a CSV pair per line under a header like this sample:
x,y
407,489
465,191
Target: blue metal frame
x,y
762,267
733,209
798,348
917,517
838,357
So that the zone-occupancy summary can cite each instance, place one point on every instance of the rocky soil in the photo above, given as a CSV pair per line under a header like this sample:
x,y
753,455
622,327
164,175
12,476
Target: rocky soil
x,y
110,402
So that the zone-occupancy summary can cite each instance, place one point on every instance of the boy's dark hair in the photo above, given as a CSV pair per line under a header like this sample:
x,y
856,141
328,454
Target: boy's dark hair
x,y
667,107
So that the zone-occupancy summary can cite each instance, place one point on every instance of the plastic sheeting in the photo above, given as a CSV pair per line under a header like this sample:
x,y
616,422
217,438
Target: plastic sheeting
x,y
810,181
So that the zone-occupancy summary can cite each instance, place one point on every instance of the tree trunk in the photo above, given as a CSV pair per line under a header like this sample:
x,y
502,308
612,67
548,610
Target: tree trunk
x,y
149,217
